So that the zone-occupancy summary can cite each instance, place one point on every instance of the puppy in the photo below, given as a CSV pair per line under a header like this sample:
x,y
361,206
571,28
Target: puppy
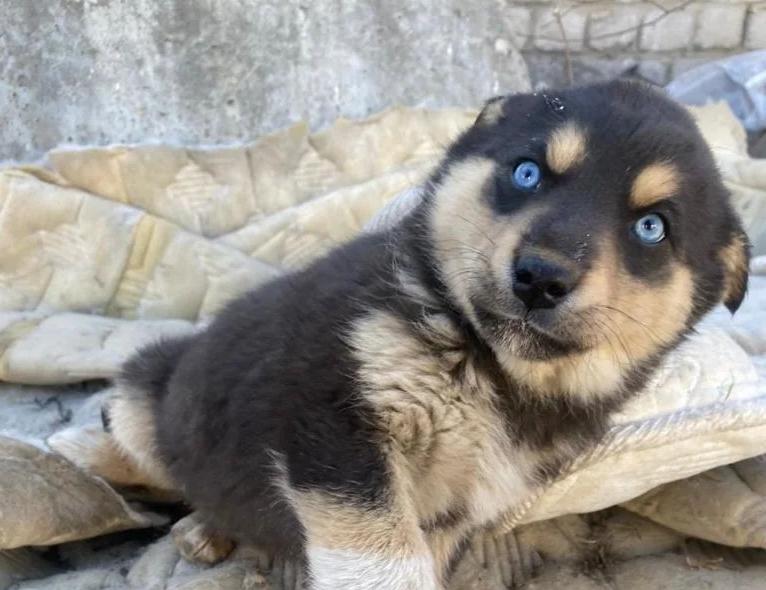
x,y
371,411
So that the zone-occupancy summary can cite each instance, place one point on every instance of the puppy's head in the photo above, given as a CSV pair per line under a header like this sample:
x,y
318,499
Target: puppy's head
x,y
584,234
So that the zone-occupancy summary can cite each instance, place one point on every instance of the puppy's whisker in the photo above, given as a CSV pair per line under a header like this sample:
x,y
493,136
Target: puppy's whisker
x,y
653,335
605,325
482,232
463,249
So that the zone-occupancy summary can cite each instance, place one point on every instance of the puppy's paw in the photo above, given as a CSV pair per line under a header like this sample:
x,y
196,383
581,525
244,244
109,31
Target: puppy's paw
x,y
198,543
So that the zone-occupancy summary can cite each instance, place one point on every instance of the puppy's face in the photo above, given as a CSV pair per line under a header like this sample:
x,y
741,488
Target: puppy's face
x,y
583,235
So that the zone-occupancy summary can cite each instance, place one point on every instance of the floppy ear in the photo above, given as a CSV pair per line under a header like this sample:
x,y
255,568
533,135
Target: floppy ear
x,y
492,111
735,257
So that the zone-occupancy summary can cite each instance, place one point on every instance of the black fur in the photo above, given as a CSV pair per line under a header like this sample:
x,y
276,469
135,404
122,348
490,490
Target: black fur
x,y
151,370
273,376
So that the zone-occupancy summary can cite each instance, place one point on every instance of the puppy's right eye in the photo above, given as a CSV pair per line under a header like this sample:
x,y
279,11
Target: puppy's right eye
x,y
650,229
526,175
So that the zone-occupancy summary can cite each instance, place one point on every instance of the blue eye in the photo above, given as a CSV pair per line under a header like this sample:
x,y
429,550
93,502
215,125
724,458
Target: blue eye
x,y
650,229
526,175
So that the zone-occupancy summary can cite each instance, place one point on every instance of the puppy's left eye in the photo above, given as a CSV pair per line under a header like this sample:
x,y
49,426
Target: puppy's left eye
x,y
526,175
650,229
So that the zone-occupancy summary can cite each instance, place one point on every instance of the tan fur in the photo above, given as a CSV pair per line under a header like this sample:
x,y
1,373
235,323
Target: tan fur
x,y
463,227
734,258
132,425
654,183
632,322
109,463
97,452
443,433
344,538
337,524
467,233
566,148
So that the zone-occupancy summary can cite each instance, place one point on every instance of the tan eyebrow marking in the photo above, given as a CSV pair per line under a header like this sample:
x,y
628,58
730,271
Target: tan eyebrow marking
x,y
566,148
654,183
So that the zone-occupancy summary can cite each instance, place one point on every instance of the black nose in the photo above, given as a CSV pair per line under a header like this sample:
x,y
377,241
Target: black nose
x,y
540,283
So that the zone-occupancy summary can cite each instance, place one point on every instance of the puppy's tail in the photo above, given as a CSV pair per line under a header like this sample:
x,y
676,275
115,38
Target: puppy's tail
x,y
130,414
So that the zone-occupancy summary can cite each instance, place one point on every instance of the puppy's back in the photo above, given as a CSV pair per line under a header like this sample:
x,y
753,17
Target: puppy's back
x,y
271,375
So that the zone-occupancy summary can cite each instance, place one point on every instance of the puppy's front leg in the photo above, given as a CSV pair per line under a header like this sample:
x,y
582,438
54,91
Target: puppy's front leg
x,y
350,546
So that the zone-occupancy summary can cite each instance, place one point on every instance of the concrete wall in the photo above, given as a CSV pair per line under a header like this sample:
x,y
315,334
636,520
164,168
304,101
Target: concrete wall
x,y
212,71
101,71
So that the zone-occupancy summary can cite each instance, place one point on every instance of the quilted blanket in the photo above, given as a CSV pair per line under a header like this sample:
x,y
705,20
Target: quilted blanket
x,y
104,249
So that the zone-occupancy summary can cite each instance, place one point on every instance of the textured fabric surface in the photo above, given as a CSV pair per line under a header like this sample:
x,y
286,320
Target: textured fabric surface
x,y
46,500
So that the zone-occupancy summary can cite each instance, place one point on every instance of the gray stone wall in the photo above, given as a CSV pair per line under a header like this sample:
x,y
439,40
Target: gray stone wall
x,y
218,71
656,40
213,71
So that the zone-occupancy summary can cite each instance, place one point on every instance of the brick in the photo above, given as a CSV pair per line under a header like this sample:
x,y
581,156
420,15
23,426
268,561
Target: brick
x,y
755,38
720,26
516,23
616,27
667,32
549,71
546,70
547,33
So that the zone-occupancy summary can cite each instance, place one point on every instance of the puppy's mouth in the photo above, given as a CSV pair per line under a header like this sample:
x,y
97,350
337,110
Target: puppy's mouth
x,y
525,335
